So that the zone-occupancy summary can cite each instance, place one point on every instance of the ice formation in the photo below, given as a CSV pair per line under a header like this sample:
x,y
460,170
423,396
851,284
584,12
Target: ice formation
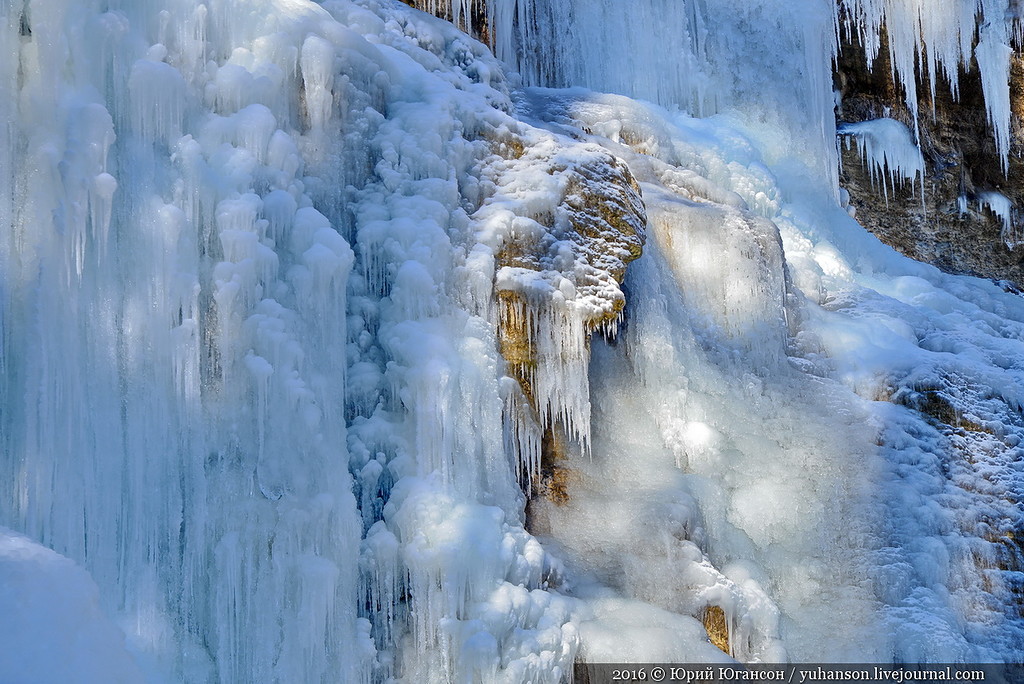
x,y
302,304
938,41
888,148
53,628
1000,205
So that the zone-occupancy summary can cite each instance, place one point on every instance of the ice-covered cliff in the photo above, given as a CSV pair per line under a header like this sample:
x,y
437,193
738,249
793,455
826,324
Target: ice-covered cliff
x,y
336,349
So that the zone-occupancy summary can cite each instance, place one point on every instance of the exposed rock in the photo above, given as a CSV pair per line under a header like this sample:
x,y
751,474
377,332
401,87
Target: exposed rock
x,y
564,220
949,227
936,405
604,224
717,627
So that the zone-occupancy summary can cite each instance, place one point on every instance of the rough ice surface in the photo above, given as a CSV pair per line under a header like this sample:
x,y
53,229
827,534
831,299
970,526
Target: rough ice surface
x,y
265,271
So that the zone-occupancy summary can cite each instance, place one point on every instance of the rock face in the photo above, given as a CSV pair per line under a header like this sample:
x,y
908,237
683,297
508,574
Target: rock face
x,y
951,226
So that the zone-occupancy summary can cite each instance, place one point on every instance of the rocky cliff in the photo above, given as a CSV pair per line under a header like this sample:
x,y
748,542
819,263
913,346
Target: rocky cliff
x,y
950,217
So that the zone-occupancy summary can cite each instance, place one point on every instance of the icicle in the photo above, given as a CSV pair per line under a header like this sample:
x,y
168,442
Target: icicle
x,y
157,100
523,434
993,54
1001,206
944,36
318,77
888,148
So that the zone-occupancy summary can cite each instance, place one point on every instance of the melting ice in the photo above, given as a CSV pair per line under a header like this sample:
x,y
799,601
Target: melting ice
x,y
293,295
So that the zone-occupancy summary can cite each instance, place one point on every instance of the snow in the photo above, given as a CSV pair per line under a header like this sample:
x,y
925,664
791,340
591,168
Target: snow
x,y
259,262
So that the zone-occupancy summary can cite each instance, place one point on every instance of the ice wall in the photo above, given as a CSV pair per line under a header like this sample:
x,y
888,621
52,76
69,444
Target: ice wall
x,y
261,264
169,402
250,335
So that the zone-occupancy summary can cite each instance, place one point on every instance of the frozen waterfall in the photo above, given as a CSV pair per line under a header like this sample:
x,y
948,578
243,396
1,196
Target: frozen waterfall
x,y
320,359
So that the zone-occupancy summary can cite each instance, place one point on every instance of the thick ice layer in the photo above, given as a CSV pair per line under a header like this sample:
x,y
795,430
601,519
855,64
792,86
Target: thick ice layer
x,y
176,299
676,524
176,431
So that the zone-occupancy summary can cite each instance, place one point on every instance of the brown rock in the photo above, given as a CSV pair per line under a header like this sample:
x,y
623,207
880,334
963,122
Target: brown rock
x,y
717,626
960,160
